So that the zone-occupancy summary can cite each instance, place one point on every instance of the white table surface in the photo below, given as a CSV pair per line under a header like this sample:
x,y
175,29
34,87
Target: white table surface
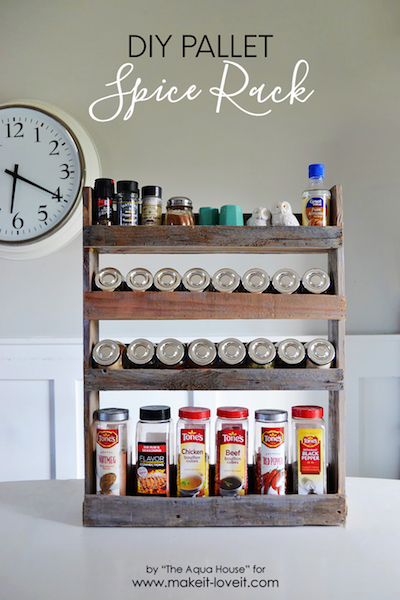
x,y
46,553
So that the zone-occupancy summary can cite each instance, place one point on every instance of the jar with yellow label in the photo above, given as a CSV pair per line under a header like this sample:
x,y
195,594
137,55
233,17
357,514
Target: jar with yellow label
x,y
309,450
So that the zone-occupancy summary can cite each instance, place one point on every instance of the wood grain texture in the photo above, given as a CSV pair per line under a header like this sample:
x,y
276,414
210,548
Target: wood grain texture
x,y
214,379
245,511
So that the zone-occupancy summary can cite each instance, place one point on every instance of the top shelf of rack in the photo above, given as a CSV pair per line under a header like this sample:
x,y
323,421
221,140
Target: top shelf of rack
x,y
215,239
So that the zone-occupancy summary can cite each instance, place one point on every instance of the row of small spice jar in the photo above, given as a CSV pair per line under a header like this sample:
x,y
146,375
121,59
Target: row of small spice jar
x,y
203,353
125,207
256,280
154,450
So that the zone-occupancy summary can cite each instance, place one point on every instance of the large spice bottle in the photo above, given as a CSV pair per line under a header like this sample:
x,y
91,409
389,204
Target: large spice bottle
x,y
308,450
231,426
154,451
316,198
270,451
193,451
112,450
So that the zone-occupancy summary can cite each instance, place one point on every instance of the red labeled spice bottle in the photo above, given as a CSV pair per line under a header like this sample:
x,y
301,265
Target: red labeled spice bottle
x,y
309,450
232,427
270,451
193,451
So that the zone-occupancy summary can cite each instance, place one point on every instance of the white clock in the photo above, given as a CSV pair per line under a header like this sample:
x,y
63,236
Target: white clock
x,y
46,158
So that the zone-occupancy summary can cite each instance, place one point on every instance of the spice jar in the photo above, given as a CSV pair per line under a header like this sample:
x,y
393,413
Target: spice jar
x,y
171,354
270,452
167,280
290,353
154,451
320,354
255,281
151,205
193,451
108,353
225,280
112,450
139,280
103,201
127,203
316,281
196,280
309,450
109,280
231,352
179,211
286,281
231,426
139,354
202,353
261,354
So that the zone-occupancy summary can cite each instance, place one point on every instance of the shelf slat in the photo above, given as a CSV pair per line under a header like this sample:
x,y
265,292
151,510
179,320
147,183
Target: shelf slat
x,y
217,239
244,511
213,379
211,305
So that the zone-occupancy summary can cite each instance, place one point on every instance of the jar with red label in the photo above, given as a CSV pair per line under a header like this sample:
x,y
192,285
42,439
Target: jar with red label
x,y
231,477
193,451
154,451
112,450
309,450
270,452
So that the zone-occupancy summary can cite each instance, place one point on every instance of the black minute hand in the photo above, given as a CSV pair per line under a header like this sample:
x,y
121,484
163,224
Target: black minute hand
x,y
16,176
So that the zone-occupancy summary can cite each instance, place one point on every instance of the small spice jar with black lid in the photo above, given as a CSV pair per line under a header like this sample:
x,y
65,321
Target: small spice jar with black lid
x,y
179,211
103,201
151,205
127,203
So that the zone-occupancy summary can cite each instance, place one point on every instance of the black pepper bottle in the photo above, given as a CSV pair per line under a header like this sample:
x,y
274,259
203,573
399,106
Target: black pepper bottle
x,y
103,200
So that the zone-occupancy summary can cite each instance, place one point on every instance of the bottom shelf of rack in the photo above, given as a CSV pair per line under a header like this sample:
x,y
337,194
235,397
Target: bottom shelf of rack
x,y
241,511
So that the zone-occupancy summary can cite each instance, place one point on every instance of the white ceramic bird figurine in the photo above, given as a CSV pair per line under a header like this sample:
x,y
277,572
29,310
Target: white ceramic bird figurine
x,y
260,216
282,215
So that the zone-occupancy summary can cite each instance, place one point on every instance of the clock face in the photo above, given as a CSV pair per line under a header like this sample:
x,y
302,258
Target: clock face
x,y
41,174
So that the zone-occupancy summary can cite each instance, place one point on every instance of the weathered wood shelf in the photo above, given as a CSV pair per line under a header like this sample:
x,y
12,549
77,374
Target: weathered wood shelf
x,y
209,305
214,379
251,510
242,511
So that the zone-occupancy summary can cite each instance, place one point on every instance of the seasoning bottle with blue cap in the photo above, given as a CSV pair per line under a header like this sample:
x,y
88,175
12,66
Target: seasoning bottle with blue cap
x,y
316,198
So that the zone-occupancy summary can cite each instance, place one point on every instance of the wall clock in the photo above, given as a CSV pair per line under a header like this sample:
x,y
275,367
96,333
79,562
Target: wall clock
x,y
46,157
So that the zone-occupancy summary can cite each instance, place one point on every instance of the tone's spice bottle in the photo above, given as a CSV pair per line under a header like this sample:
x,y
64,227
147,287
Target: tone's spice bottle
x,y
270,451
231,477
193,451
154,451
112,451
308,450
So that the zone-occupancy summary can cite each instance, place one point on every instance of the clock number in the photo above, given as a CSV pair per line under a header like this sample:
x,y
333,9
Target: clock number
x,y
17,221
17,133
53,152
57,195
43,212
65,170
37,134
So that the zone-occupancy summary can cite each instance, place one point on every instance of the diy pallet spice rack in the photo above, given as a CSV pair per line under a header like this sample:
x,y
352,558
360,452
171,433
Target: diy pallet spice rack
x,y
250,510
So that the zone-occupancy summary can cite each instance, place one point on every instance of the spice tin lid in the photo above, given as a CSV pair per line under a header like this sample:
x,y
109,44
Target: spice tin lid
x,y
307,412
111,414
155,413
225,280
196,280
261,351
194,412
232,412
320,351
202,352
127,186
255,280
286,281
106,352
167,280
139,280
179,201
108,279
231,351
151,190
266,414
140,351
170,351
316,281
291,351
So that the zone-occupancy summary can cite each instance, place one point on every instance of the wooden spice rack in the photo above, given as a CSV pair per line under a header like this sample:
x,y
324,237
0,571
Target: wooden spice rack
x,y
251,510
